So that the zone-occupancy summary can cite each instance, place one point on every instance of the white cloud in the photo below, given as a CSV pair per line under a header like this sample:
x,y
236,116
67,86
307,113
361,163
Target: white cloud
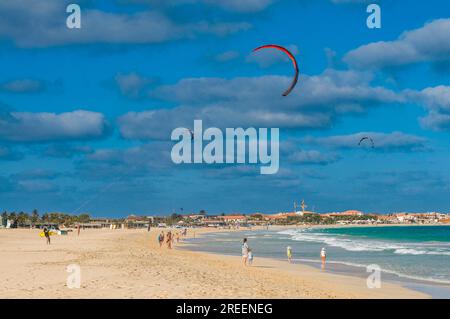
x,y
158,124
44,127
247,6
126,163
22,86
242,6
427,44
324,91
39,25
257,101
313,157
436,121
395,141
435,98
237,6
226,56
132,84
64,150
436,101
36,174
31,186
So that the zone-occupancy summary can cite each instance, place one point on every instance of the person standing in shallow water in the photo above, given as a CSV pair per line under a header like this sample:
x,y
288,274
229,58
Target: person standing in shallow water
x,y
289,253
245,249
323,256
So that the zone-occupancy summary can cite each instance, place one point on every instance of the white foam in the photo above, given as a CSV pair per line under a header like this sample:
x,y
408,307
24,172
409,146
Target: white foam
x,y
410,251
350,244
391,272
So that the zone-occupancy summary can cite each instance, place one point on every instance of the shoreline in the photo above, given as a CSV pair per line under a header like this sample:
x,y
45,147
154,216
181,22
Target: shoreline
x,y
434,289
130,264
281,263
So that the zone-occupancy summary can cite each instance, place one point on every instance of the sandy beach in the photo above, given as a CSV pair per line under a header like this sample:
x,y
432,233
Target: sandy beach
x,y
130,264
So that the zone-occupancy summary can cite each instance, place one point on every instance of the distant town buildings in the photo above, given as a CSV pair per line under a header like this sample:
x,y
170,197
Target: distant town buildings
x,y
302,217
346,213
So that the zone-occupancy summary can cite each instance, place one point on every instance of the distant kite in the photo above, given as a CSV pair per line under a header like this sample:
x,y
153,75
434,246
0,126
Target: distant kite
x,y
291,56
366,138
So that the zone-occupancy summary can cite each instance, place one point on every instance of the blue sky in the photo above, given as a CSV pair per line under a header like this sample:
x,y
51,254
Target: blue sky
x,y
86,115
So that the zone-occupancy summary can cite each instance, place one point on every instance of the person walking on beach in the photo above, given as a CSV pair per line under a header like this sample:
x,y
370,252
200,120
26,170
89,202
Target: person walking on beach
x,y
245,250
161,239
169,240
47,235
323,256
78,229
148,227
289,253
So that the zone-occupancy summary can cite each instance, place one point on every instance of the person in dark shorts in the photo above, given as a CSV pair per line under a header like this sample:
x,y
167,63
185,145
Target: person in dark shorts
x,y
169,240
47,235
161,239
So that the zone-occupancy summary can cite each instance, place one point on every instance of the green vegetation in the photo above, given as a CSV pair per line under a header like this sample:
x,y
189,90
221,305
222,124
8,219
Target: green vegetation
x,y
173,219
24,219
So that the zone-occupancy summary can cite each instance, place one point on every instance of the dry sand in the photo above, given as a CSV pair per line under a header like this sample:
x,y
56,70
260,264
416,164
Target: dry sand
x,y
130,264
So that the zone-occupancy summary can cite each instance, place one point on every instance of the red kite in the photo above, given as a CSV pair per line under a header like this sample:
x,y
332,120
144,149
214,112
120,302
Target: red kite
x,y
291,56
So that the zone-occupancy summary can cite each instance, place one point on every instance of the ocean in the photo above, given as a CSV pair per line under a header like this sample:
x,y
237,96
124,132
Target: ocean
x,y
416,256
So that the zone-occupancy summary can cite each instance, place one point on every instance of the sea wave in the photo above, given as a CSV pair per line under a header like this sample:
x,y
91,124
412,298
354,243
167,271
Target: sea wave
x,y
383,270
362,244
411,251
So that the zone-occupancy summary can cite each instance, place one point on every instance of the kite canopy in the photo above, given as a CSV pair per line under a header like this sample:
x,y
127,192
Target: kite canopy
x,y
291,56
368,139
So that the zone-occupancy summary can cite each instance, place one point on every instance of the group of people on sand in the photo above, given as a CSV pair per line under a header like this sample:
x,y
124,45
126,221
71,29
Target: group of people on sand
x,y
247,254
169,238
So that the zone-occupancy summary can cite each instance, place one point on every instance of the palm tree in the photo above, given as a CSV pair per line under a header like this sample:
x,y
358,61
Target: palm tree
x,y
22,218
84,218
13,216
4,218
34,216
